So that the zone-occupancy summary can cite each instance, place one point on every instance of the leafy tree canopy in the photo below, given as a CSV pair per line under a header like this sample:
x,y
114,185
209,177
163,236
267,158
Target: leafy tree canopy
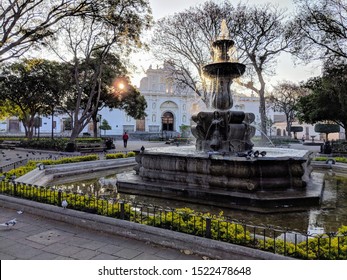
x,y
30,87
327,100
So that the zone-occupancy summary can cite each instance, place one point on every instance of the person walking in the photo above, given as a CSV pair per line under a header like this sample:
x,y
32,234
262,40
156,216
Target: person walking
x,y
125,139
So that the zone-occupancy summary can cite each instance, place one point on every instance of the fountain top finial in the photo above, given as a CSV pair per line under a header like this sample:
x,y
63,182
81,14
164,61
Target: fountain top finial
x,y
224,33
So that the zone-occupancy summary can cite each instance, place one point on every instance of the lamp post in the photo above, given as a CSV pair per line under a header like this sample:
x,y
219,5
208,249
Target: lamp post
x,y
99,121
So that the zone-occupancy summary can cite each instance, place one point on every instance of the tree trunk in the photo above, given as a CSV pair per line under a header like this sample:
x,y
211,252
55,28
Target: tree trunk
x,y
74,135
262,107
289,127
262,114
95,125
29,127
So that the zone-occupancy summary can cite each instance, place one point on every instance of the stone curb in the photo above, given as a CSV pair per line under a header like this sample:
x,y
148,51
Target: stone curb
x,y
201,246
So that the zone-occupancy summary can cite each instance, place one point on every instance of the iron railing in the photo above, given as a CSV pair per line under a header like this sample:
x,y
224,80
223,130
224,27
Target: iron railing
x,y
281,241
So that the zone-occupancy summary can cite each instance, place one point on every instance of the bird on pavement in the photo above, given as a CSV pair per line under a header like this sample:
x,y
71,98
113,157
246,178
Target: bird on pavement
x,y
64,204
9,223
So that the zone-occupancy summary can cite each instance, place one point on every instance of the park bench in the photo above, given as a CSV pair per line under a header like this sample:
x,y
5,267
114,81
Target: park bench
x,y
90,147
7,144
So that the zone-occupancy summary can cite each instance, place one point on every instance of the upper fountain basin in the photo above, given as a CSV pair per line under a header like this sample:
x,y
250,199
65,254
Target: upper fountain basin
x,y
224,69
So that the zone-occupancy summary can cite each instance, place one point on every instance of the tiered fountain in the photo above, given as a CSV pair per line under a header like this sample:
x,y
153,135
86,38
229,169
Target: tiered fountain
x,y
224,170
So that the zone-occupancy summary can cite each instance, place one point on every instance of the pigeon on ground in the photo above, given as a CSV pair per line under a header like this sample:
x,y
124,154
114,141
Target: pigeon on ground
x,y
263,153
64,204
256,154
9,223
142,149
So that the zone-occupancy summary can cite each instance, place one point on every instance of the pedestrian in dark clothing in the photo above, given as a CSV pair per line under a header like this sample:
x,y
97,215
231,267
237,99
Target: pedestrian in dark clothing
x,y
125,139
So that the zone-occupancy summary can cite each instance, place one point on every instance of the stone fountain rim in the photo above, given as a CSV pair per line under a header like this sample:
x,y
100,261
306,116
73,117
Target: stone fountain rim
x,y
189,151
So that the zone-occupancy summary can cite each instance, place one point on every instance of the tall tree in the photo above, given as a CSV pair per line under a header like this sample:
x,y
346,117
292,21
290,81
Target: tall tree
x,y
327,100
114,26
184,41
30,87
284,99
24,23
322,25
260,34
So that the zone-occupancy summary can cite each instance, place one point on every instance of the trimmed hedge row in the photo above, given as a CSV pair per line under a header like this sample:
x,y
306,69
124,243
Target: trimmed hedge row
x,y
56,144
120,155
337,159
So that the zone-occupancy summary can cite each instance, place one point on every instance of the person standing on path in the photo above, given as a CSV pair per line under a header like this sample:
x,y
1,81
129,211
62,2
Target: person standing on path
x,y
125,139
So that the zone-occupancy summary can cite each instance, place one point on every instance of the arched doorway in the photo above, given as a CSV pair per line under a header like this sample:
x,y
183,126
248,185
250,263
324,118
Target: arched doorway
x,y
167,121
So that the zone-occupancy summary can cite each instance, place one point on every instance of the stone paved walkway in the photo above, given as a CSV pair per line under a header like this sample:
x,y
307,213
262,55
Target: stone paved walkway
x,y
37,238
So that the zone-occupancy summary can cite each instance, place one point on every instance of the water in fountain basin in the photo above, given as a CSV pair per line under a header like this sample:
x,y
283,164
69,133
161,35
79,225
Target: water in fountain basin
x,y
331,215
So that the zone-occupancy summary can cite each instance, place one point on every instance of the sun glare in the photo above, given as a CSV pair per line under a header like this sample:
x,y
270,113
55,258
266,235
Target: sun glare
x,y
121,86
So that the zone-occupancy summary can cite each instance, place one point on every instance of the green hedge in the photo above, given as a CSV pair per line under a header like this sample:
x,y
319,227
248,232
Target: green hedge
x,y
337,159
120,155
56,144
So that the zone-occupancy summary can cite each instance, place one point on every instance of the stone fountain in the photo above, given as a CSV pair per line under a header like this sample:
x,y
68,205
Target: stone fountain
x,y
223,169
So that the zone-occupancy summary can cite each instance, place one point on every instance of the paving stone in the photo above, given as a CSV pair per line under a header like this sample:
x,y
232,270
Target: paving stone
x,y
69,250
169,254
127,253
110,249
21,251
103,256
85,254
76,240
30,243
64,258
46,256
56,247
48,237
93,245
4,256
146,256
5,242
14,234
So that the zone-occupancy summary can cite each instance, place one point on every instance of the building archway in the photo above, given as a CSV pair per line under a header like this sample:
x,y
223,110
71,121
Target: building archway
x,y
167,121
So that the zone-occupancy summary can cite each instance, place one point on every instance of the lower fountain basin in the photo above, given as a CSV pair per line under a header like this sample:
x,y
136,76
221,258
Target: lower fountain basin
x,y
277,181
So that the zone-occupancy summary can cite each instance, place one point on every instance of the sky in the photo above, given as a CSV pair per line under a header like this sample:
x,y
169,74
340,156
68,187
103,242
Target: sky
x,y
286,70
